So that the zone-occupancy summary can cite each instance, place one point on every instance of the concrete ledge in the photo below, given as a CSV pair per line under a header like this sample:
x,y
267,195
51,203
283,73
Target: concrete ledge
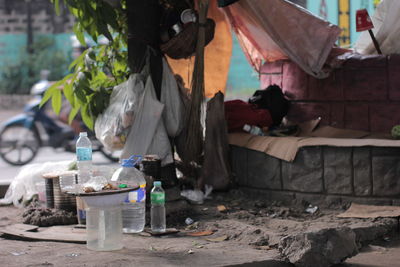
x,y
367,175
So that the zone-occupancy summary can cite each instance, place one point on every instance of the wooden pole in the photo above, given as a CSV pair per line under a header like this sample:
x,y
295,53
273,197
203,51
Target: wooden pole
x,y
376,44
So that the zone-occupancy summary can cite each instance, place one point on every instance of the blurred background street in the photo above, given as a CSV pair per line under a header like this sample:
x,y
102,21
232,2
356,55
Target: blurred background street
x,y
45,154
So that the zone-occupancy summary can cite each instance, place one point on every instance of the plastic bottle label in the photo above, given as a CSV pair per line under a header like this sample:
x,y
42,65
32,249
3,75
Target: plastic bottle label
x,y
84,153
157,198
137,196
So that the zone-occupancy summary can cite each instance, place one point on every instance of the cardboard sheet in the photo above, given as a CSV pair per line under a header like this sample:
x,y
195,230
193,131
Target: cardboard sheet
x,y
369,211
60,233
286,148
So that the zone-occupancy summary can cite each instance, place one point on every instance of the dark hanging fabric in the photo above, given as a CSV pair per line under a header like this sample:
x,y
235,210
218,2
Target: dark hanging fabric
x,y
223,3
216,168
143,32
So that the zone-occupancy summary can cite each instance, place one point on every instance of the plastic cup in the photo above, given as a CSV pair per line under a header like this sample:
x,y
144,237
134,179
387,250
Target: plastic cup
x,y
104,221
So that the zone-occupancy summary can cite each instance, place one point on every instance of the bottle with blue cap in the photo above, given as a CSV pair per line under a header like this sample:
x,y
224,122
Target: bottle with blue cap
x,y
134,206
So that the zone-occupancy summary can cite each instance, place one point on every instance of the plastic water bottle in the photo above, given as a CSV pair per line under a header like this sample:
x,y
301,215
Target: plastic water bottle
x,y
84,158
134,206
253,130
157,196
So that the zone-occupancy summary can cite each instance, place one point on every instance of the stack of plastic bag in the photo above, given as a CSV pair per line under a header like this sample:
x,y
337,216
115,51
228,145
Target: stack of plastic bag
x,y
156,121
137,122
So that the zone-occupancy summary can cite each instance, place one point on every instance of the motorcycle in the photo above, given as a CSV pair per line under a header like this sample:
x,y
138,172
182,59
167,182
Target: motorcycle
x,y
23,135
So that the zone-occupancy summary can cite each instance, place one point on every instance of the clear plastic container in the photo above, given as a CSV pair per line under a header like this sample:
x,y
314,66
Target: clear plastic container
x,y
104,228
68,181
104,221
134,206
157,195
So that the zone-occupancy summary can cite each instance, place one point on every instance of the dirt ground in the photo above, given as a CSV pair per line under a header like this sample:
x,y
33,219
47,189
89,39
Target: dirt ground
x,y
246,232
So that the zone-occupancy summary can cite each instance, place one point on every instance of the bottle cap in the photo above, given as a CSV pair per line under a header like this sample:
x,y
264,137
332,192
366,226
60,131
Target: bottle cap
x,y
83,134
157,183
132,161
247,127
128,163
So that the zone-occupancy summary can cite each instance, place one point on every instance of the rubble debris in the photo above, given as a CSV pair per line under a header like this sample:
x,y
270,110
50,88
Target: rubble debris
x,y
48,217
323,248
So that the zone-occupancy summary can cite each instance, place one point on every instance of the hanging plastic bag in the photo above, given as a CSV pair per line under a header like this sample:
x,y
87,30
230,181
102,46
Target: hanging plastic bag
x,y
173,116
148,134
112,126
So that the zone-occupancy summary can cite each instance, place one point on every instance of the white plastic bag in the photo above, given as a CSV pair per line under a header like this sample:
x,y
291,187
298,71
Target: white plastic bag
x,y
173,116
112,126
148,134
25,184
197,196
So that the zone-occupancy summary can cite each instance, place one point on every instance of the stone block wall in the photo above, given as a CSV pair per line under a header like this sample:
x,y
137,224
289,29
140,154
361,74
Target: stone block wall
x,y
363,94
13,17
322,174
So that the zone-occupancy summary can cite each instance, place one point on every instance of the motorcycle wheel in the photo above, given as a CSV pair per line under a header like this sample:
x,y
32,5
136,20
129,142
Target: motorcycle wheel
x,y
18,144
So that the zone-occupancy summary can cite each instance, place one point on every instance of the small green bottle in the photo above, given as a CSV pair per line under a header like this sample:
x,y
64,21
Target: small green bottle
x,y
157,196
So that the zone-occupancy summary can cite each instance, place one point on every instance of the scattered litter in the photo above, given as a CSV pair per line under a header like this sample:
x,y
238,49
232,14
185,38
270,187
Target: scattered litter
x,y
18,253
218,239
145,234
221,208
189,221
197,196
202,233
387,239
152,248
311,209
377,248
168,231
204,209
263,247
200,246
71,255
190,251
97,183
193,226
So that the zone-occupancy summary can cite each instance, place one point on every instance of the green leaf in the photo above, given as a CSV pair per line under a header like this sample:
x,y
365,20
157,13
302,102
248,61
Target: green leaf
x,y
69,93
72,3
80,95
79,34
57,7
49,93
109,15
73,113
87,119
52,89
56,101
78,61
